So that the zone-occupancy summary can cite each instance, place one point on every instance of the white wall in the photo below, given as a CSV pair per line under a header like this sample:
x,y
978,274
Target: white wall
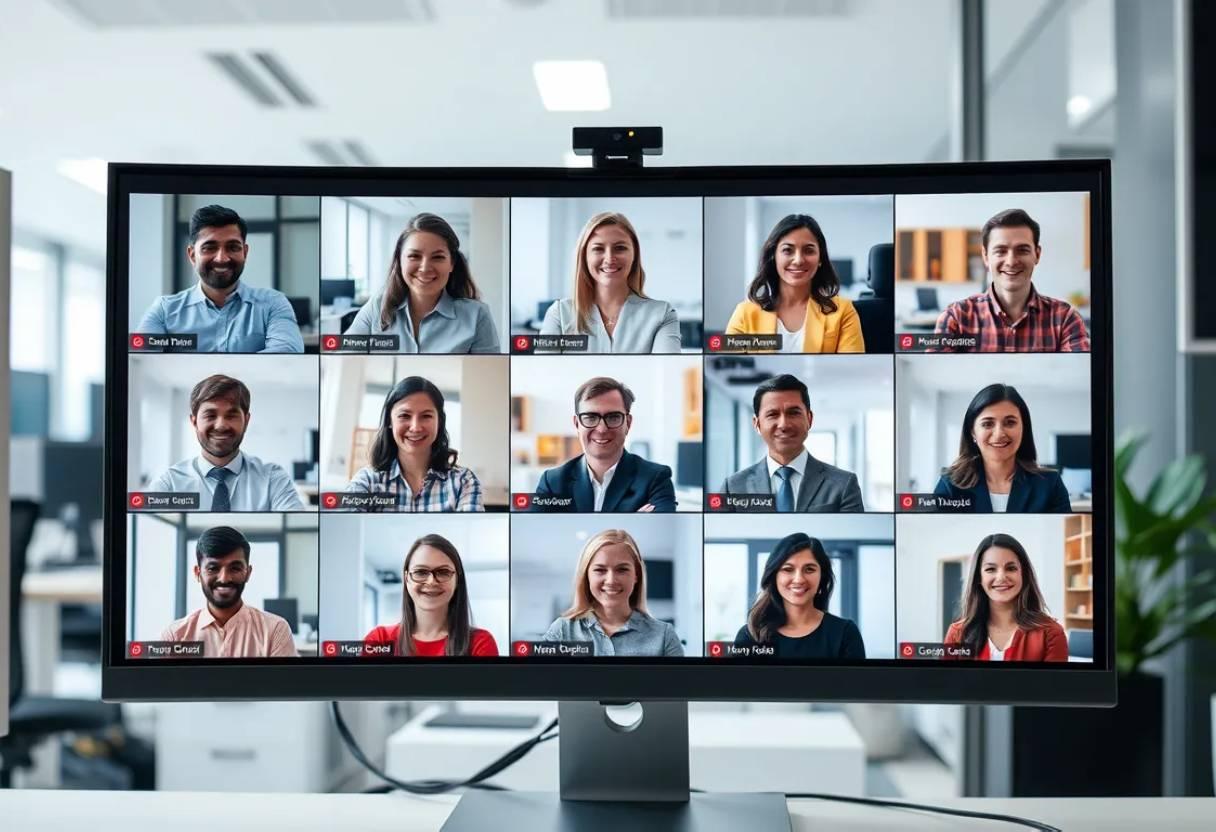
x,y
150,252
545,552
925,539
152,584
1061,217
544,238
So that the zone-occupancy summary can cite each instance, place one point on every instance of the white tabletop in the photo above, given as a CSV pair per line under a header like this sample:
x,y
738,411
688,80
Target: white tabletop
x,y
98,811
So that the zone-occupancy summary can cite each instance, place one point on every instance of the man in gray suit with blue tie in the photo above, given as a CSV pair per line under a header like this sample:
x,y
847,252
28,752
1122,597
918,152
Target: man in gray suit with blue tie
x,y
799,482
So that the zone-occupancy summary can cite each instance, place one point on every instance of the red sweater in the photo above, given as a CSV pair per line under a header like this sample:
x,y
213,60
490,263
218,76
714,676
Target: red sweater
x,y
1045,644
481,643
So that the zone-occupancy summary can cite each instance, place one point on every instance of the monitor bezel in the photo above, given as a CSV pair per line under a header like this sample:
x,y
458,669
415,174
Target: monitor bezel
x,y
699,679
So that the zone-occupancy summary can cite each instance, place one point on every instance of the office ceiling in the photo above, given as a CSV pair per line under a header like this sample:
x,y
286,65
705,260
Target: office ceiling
x,y
435,82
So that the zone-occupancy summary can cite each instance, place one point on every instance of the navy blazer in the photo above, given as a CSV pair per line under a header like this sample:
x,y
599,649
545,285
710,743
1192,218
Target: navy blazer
x,y
636,482
1042,493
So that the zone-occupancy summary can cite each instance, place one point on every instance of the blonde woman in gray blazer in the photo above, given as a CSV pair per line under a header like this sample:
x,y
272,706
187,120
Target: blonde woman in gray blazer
x,y
609,305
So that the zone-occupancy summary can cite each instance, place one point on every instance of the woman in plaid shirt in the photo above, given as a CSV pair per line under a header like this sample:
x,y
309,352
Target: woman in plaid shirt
x,y
411,458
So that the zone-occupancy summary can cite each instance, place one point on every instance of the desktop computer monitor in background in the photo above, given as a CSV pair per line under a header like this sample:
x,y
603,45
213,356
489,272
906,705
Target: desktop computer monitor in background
x,y
840,486
72,488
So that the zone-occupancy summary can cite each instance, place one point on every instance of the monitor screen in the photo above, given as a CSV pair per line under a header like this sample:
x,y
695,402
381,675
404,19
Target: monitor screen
x,y
522,478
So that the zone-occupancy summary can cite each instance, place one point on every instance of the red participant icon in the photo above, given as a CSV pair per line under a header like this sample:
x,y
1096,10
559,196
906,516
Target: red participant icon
x,y
906,501
136,649
522,648
906,651
137,342
715,501
137,501
905,342
331,342
522,343
330,500
715,650
331,649
522,501
715,342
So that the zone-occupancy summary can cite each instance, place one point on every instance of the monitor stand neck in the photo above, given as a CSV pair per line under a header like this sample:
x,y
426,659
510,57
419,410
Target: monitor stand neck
x,y
623,766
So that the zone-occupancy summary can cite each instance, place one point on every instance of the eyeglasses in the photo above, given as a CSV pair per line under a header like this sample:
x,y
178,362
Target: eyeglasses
x,y
613,419
442,575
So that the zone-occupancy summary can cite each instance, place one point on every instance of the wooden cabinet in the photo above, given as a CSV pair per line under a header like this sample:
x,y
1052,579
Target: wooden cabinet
x,y
1079,572
941,255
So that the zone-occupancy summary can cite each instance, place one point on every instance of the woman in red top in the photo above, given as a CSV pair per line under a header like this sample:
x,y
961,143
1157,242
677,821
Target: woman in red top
x,y
1004,617
435,617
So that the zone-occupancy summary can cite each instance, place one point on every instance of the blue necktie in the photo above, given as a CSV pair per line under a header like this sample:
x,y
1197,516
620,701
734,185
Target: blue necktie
x,y
785,492
220,500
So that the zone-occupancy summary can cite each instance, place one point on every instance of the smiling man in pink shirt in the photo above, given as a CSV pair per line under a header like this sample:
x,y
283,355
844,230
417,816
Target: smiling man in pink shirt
x,y
228,627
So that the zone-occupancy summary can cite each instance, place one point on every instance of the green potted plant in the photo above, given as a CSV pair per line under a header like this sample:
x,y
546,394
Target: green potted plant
x,y
1119,751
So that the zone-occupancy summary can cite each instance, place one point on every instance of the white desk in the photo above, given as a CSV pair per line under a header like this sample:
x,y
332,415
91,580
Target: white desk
x,y
42,594
760,752
97,811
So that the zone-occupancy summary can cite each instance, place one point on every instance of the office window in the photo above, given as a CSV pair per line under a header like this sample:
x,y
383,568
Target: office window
x,y
83,361
333,238
32,319
726,586
356,247
879,451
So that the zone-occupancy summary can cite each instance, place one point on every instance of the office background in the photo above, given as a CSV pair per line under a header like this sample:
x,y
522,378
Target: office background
x,y
853,426
475,392
282,429
359,235
361,570
931,397
544,240
1095,78
938,251
545,552
736,228
161,587
666,415
862,550
283,239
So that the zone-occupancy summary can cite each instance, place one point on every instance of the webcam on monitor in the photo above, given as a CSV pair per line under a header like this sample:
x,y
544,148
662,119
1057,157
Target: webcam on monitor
x,y
618,146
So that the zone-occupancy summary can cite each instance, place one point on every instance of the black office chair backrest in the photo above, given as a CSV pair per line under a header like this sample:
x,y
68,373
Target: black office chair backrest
x,y
876,308
348,319
882,270
23,514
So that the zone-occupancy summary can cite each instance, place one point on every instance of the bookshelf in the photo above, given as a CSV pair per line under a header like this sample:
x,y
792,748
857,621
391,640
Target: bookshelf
x,y
1078,572
939,255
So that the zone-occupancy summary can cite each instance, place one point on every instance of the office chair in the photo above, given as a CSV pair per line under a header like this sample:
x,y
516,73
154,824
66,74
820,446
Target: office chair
x,y
876,306
348,318
33,719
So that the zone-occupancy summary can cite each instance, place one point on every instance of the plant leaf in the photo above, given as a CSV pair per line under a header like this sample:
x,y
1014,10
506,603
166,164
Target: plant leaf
x,y
1178,486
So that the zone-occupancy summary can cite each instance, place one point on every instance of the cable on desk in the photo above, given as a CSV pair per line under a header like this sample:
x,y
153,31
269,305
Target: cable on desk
x,y
477,781
921,807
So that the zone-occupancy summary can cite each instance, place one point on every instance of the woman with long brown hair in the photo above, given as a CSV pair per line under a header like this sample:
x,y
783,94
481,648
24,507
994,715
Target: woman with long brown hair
x,y
430,301
435,615
790,612
1004,616
609,305
796,294
609,606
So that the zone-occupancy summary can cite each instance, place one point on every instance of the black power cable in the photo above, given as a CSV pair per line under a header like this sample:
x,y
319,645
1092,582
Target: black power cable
x,y
477,781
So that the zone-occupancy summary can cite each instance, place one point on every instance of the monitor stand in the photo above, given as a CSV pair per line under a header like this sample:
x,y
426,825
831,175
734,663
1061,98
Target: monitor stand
x,y
622,766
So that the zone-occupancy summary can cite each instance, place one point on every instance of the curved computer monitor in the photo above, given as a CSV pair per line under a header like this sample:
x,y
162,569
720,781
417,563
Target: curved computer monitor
x,y
753,433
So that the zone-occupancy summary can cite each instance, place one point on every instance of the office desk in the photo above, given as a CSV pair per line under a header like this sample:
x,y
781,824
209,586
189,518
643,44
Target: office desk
x,y
98,811
42,594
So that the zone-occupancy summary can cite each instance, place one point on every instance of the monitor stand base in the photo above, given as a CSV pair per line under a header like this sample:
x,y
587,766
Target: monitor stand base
x,y
622,766
546,812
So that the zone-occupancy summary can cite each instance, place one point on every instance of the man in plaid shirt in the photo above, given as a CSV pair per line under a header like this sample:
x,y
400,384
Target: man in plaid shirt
x,y
1011,316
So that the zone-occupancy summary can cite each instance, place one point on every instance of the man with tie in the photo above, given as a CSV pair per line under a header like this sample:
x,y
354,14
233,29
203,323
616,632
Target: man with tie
x,y
606,477
799,482
225,477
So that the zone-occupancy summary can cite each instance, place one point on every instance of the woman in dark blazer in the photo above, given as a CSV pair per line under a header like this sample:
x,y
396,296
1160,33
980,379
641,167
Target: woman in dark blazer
x,y
997,466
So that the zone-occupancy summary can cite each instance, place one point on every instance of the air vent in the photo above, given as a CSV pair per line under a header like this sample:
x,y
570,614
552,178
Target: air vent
x,y
709,9
111,14
264,78
343,153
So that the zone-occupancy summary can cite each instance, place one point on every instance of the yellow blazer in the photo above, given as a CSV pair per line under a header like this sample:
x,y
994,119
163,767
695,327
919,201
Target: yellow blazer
x,y
839,331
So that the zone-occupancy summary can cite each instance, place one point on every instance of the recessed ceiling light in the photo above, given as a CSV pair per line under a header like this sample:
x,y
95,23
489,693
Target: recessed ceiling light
x,y
91,173
1079,105
570,160
572,86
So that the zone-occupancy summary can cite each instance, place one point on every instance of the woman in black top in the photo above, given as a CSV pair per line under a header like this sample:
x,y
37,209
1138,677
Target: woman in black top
x,y
790,611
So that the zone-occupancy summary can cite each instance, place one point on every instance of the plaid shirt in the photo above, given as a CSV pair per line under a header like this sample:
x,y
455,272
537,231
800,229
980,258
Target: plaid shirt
x,y
456,490
1047,325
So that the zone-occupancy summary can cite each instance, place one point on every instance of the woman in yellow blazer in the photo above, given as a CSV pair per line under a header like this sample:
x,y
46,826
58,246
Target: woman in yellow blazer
x,y
795,294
